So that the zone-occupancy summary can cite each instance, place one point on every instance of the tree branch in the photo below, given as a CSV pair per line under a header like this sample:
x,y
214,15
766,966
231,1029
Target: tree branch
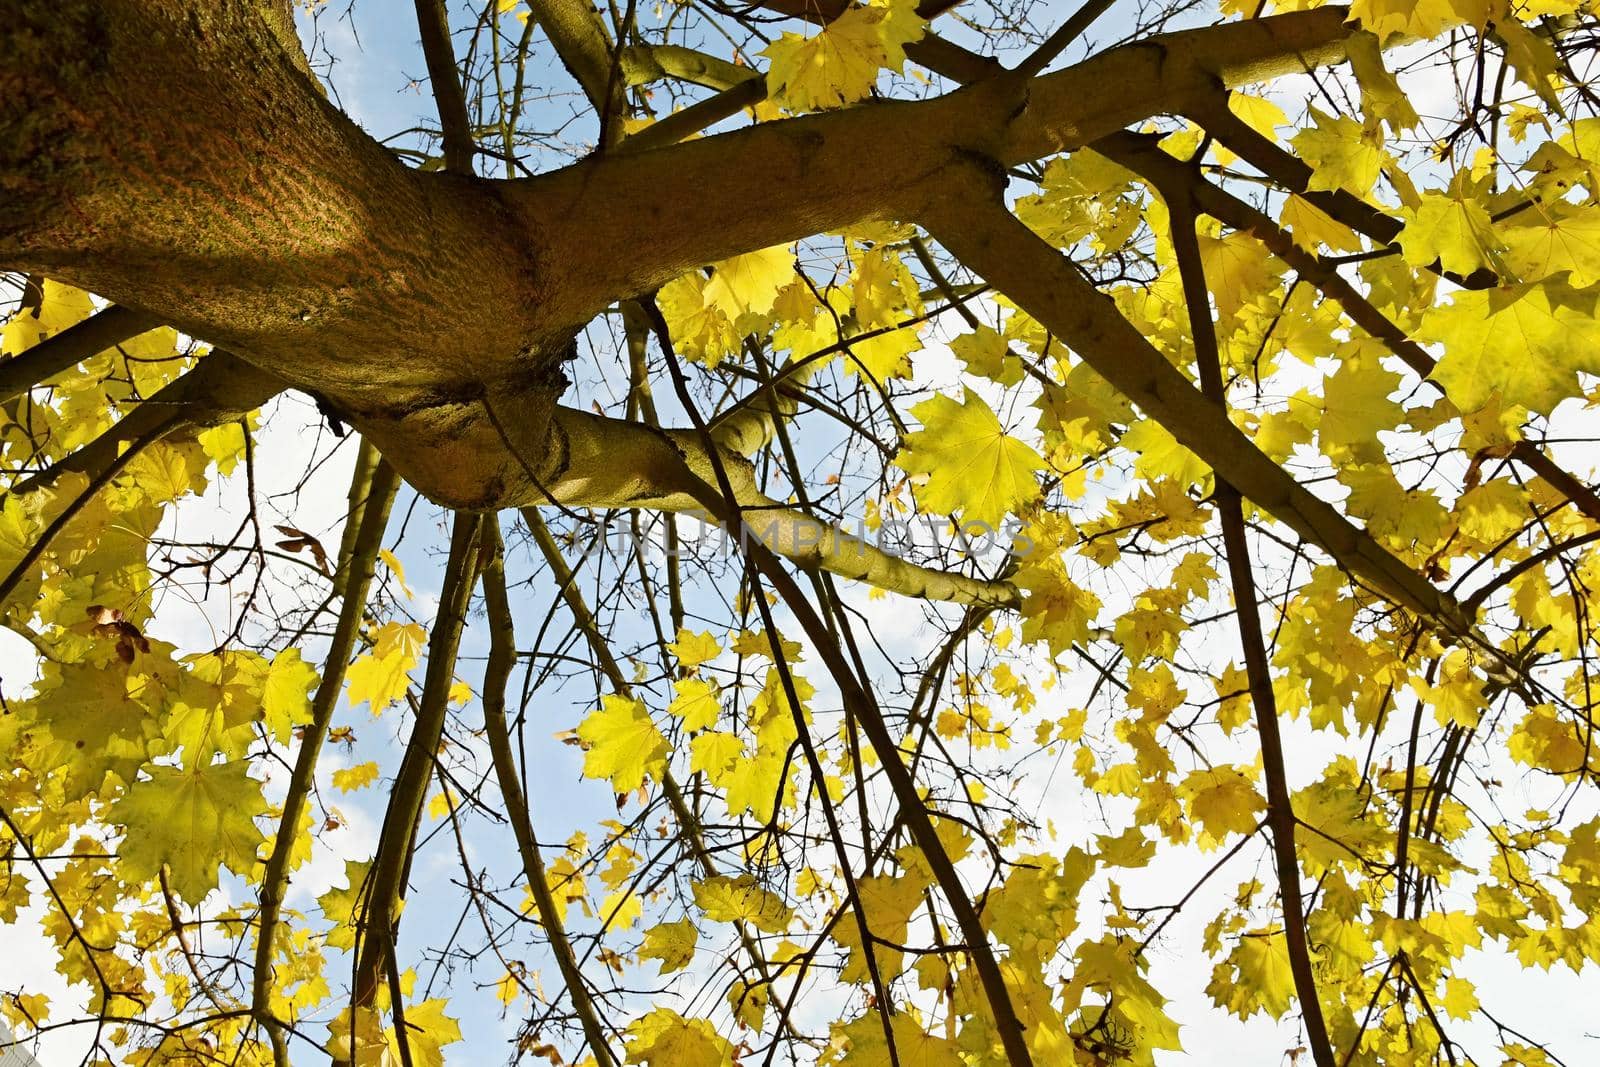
x,y
1280,807
982,233
584,620
584,47
705,200
653,480
645,63
1294,174
434,24
372,492
100,331
1141,154
859,701
387,877
502,658
218,389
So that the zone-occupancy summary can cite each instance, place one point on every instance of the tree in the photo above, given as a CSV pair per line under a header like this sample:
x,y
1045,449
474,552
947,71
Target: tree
x,y
1270,394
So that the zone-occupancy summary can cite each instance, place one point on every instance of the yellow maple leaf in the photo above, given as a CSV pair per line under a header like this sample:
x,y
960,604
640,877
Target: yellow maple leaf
x,y
358,777
713,753
1312,228
839,64
1233,695
1553,238
194,821
973,466
1221,800
1452,228
1341,153
1356,406
1410,18
986,354
1524,343
693,649
672,943
1255,976
623,743
756,785
748,285
742,899
285,693
1161,456
391,561
620,910
888,903
381,676
440,804
696,702
663,1038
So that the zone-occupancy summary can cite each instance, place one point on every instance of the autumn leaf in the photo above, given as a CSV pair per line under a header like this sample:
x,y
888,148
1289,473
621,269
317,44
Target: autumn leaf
x,y
1453,229
192,821
840,64
1255,977
696,702
358,777
741,899
1221,800
973,466
693,649
1524,344
1341,153
671,943
623,744
749,284
663,1038
381,676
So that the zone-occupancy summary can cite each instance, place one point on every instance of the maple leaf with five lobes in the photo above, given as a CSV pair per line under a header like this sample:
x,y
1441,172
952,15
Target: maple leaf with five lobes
x,y
840,64
748,285
381,676
1341,154
193,821
1554,238
623,743
358,777
1524,344
1451,228
663,1038
888,903
1222,800
672,943
427,1029
1356,407
693,649
868,1047
742,898
986,354
1255,977
972,465
1412,18
696,702
756,785
342,907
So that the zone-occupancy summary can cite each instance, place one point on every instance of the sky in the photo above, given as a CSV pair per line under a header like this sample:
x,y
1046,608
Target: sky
x,y
376,80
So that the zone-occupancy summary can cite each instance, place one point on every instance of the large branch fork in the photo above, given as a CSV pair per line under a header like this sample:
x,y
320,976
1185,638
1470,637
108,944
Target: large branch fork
x,y
221,192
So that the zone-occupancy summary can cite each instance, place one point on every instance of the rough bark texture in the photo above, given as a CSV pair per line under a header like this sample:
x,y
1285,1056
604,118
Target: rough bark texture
x,y
176,159
219,191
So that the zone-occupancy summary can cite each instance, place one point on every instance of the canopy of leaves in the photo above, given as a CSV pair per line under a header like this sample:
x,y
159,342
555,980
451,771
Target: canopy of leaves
x,y
1190,649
